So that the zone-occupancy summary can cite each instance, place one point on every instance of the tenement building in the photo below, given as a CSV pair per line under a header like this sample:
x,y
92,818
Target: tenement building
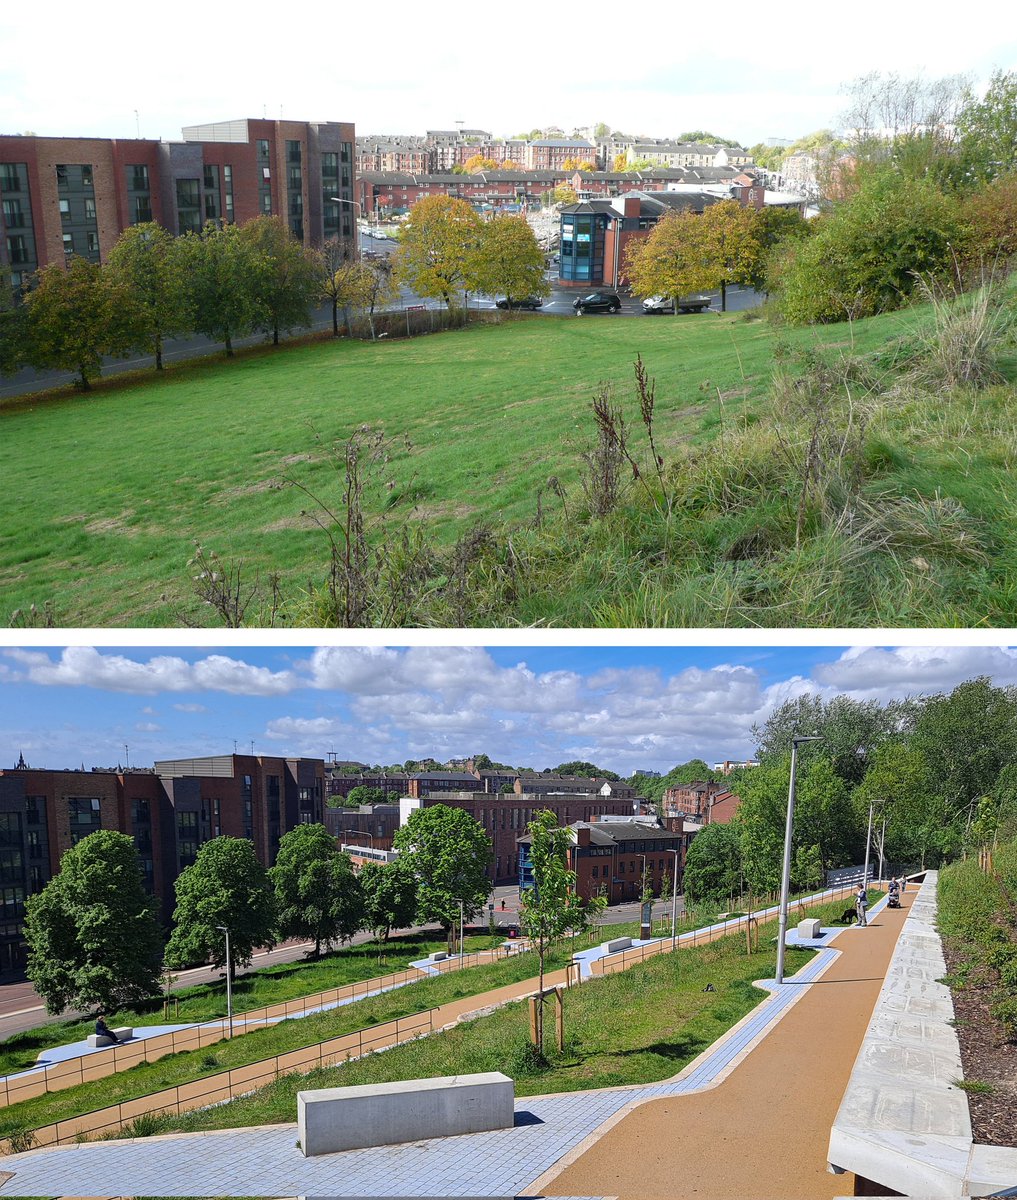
x,y
64,196
169,811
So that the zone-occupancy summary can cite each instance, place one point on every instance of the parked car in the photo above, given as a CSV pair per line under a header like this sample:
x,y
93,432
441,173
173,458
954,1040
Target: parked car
x,y
532,302
609,302
653,305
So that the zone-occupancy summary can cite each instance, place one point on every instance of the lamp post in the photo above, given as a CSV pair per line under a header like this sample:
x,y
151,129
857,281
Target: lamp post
x,y
229,978
785,877
868,840
460,903
674,899
358,205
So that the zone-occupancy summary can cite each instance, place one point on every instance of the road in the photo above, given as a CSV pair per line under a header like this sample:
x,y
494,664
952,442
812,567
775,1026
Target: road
x,y
22,1009
27,381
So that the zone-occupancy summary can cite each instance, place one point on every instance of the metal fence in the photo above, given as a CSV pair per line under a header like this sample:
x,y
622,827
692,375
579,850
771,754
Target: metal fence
x,y
624,959
196,1037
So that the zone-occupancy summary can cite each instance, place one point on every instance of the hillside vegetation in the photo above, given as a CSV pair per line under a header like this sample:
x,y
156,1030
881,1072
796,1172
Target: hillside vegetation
x,y
837,476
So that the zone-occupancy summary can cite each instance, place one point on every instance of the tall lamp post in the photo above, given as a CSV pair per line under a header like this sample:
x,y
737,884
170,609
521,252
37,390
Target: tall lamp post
x,y
868,840
460,903
674,899
785,876
357,205
229,978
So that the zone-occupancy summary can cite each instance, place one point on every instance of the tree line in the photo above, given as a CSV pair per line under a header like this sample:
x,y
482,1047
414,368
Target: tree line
x,y
229,281
94,934
938,773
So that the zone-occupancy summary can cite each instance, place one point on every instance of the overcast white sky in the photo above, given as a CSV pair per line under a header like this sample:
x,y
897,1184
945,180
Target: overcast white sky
x,y
740,69
622,707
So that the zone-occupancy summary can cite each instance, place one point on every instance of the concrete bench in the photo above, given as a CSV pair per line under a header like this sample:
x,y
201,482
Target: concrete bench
x,y
618,944
384,1114
437,956
809,928
124,1033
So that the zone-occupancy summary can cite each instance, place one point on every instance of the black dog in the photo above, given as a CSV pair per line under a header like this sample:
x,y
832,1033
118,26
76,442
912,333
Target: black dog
x,y
849,915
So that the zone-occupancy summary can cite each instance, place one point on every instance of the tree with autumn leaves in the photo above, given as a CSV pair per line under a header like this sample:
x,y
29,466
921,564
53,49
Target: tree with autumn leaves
x,y
691,252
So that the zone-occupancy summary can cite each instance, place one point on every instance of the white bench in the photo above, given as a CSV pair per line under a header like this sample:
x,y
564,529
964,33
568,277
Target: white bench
x,y
437,956
384,1114
809,928
124,1033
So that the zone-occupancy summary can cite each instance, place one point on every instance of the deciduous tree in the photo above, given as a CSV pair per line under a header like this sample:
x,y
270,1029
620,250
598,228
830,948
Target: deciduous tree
x,y
988,129
224,274
390,896
146,263
342,280
436,247
92,934
713,866
317,894
225,887
551,907
448,853
286,279
507,260
733,247
76,315
676,258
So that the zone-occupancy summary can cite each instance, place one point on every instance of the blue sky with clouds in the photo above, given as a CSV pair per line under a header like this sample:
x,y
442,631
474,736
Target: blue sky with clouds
x,y
621,706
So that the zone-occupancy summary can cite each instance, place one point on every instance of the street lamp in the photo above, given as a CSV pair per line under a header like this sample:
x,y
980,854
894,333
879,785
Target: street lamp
x,y
460,903
229,978
356,204
785,877
674,899
868,839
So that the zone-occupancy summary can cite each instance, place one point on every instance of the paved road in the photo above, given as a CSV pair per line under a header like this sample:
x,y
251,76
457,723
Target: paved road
x,y
22,1009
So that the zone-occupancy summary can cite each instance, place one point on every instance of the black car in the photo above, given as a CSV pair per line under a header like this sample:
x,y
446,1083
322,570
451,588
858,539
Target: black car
x,y
597,302
532,302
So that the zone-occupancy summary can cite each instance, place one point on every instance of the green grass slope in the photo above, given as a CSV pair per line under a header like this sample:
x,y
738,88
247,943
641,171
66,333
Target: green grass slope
x,y
105,495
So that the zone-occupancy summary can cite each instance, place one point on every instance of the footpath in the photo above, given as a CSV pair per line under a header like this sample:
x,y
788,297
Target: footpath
x,y
751,1117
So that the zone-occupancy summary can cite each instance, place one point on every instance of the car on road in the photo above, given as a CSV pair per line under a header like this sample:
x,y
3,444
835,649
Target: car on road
x,y
531,302
609,302
654,305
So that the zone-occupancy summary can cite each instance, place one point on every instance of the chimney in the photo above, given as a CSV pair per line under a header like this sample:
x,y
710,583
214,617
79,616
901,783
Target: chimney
x,y
583,835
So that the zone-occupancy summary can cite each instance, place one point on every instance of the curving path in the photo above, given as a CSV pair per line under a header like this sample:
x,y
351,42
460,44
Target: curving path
x,y
750,1117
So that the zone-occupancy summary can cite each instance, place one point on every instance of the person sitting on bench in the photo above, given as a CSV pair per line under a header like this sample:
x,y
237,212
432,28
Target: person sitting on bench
x,y
103,1030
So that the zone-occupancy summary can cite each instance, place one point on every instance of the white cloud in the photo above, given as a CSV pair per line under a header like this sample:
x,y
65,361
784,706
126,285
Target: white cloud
x,y
190,708
84,666
882,674
147,727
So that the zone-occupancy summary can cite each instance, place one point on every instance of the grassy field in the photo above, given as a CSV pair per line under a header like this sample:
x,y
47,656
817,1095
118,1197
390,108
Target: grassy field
x,y
111,490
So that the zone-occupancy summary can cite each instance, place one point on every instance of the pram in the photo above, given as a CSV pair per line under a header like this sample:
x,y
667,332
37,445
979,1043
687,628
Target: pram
x,y
894,900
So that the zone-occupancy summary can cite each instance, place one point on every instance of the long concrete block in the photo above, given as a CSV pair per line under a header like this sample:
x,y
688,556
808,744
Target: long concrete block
x,y
383,1114
622,943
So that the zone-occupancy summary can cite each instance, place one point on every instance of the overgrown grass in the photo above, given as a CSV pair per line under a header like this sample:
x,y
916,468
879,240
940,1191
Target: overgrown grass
x,y
899,512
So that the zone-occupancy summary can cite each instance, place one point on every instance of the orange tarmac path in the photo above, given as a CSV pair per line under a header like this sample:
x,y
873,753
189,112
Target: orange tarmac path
x,y
762,1132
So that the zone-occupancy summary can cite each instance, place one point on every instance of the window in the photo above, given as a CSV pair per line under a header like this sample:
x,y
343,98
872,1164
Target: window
x,y
89,209
65,208
211,173
188,193
293,152
83,817
142,210
262,149
10,179
295,179
86,176
211,208
14,218
68,244
61,174
188,838
139,177
266,203
17,250
93,243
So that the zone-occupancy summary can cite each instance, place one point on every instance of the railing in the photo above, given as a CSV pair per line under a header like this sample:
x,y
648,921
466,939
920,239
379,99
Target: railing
x,y
122,1057
624,959
227,1085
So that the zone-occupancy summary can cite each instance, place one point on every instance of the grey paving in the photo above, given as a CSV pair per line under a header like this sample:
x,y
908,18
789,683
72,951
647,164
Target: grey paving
x,y
266,1161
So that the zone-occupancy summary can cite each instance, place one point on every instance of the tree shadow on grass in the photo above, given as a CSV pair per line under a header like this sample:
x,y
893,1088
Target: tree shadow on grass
x,y
683,1048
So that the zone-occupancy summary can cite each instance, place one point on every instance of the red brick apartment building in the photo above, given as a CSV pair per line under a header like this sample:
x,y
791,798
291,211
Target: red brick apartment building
x,y
169,811
608,858
709,803
63,196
